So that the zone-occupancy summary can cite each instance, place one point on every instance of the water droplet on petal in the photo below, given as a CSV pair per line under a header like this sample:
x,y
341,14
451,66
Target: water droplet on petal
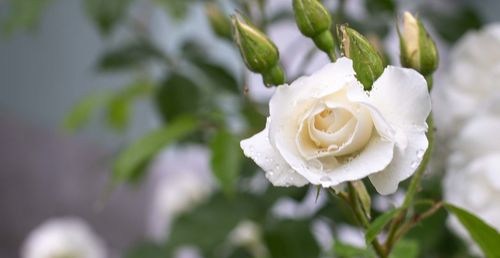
x,y
420,154
415,164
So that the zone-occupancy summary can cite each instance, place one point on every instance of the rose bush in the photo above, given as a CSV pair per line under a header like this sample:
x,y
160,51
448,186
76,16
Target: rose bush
x,y
324,129
472,180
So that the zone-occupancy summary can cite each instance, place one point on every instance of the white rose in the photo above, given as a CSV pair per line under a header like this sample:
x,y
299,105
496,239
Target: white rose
x,y
63,237
324,129
470,83
472,180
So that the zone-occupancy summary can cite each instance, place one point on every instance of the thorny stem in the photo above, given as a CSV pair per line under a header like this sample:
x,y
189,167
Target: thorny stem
x,y
363,219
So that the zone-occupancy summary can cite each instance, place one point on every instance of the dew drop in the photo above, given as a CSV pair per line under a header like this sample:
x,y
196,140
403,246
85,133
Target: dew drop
x,y
420,154
415,164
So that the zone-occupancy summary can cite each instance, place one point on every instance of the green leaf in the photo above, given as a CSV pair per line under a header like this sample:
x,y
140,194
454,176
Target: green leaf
x,y
220,77
177,9
23,15
106,14
226,160
129,56
132,161
291,239
208,225
81,112
379,223
146,250
483,234
349,251
454,25
405,249
177,96
119,106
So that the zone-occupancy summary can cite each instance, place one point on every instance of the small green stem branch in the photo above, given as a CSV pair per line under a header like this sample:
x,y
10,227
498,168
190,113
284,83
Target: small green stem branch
x,y
363,219
417,219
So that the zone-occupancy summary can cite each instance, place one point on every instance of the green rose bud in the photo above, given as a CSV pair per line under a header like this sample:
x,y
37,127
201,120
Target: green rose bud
x,y
258,52
367,62
219,22
314,21
418,50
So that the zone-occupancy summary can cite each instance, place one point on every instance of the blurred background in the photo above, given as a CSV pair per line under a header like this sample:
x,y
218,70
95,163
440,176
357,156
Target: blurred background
x,y
84,82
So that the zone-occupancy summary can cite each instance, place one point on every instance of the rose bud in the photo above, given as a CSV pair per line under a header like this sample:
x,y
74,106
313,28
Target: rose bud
x,y
314,21
367,62
259,53
219,22
418,50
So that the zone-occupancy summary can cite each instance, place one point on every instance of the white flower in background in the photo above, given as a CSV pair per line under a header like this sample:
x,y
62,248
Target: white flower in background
x,y
472,179
324,129
245,233
63,238
289,208
248,234
183,179
471,84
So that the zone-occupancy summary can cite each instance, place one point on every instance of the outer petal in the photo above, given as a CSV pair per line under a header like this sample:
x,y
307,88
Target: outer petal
x,y
263,153
403,165
401,95
375,157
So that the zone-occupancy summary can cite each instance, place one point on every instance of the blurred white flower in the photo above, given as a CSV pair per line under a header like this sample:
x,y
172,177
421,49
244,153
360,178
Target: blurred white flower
x,y
324,129
183,179
384,203
288,208
323,234
350,235
248,234
245,233
472,178
470,85
63,238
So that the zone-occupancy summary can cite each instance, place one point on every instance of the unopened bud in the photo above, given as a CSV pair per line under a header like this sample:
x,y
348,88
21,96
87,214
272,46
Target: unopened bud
x,y
418,50
314,21
219,22
258,52
367,62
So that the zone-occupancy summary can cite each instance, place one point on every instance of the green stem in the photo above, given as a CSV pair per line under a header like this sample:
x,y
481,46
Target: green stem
x,y
417,219
363,219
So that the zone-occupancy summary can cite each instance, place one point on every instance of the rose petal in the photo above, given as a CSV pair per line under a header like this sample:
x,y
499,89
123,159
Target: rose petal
x,y
401,95
373,158
263,153
404,163
300,96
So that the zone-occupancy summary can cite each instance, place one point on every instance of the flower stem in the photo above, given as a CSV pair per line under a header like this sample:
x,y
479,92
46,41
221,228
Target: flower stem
x,y
363,219
417,219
